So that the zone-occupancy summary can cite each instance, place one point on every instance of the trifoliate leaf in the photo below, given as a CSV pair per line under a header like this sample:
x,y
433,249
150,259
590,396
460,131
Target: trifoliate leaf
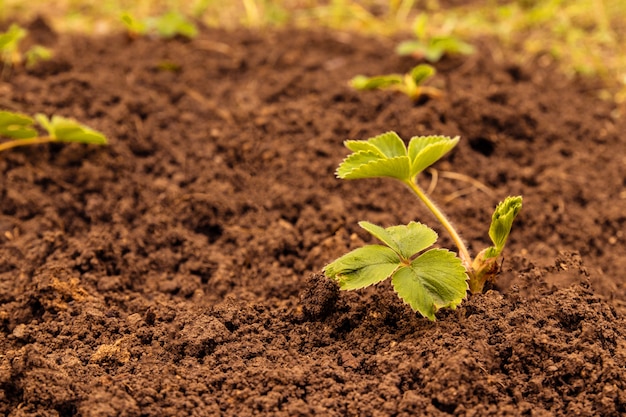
x,y
426,150
434,280
405,240
384,155
68,130
501,223
363,267
16,126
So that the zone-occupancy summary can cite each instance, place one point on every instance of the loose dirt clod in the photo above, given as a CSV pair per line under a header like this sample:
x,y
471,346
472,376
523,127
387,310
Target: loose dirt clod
x,y
319,297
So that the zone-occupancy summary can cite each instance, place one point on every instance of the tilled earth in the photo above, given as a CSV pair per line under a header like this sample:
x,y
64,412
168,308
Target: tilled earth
x,y
176,271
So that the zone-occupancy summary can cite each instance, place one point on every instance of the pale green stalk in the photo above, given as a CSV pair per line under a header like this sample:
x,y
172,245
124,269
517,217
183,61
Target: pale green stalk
x,y
24,142
463,252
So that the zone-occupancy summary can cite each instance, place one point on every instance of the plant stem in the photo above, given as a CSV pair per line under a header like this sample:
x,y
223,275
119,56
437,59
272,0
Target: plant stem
x,y
463,252
24,142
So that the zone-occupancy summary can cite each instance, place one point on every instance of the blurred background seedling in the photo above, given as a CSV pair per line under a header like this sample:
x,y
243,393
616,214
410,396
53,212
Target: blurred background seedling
x,y
11,49
432,48
166,26
18,129
410,84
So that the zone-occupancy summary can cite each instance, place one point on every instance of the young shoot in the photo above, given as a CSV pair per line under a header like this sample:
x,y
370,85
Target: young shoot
x,y
19,130
432,48
11,54
436,278
411,84
167,26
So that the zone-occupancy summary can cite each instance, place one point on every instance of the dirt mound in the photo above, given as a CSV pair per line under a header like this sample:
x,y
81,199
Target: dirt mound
x,y
173,272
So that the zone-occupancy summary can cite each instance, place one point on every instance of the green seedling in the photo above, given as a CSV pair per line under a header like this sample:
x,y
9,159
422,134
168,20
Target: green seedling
x,y
10,49
166,26
9,45
411,84
37,54
134,26
432,48
433,279
20,130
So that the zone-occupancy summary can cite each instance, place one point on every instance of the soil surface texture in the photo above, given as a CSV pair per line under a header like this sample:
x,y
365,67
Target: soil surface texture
x,y
177,270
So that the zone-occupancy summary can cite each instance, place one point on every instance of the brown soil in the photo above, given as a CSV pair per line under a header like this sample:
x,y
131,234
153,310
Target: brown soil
x,y
174,271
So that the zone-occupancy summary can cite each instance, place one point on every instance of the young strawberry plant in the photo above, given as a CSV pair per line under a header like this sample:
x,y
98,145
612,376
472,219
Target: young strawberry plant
x,y
165,26
432,48
19,130
411,84
11,54
430,280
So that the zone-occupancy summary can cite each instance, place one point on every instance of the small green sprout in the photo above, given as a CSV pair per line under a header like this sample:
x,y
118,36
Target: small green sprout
x,y
10,49
37,54
134,26
10,45
436,278
411,84
166,26
432,48
20,130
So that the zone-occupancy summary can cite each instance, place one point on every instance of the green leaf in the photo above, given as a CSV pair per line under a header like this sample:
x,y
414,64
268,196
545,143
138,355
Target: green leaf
x,y
10,39
426,150
432,53
16,126
452,45
434,280
361,82
381,167
363,267
419,25
363,145
133,25
412,47
68,130
44,122
36,54
405,240
421,73
175,23
501,223
389,144
384,155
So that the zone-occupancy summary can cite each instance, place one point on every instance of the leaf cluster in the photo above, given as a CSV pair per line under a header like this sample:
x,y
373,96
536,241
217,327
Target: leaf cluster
x,y
432,48
20,129
436,278
167,26
425,281
411,83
